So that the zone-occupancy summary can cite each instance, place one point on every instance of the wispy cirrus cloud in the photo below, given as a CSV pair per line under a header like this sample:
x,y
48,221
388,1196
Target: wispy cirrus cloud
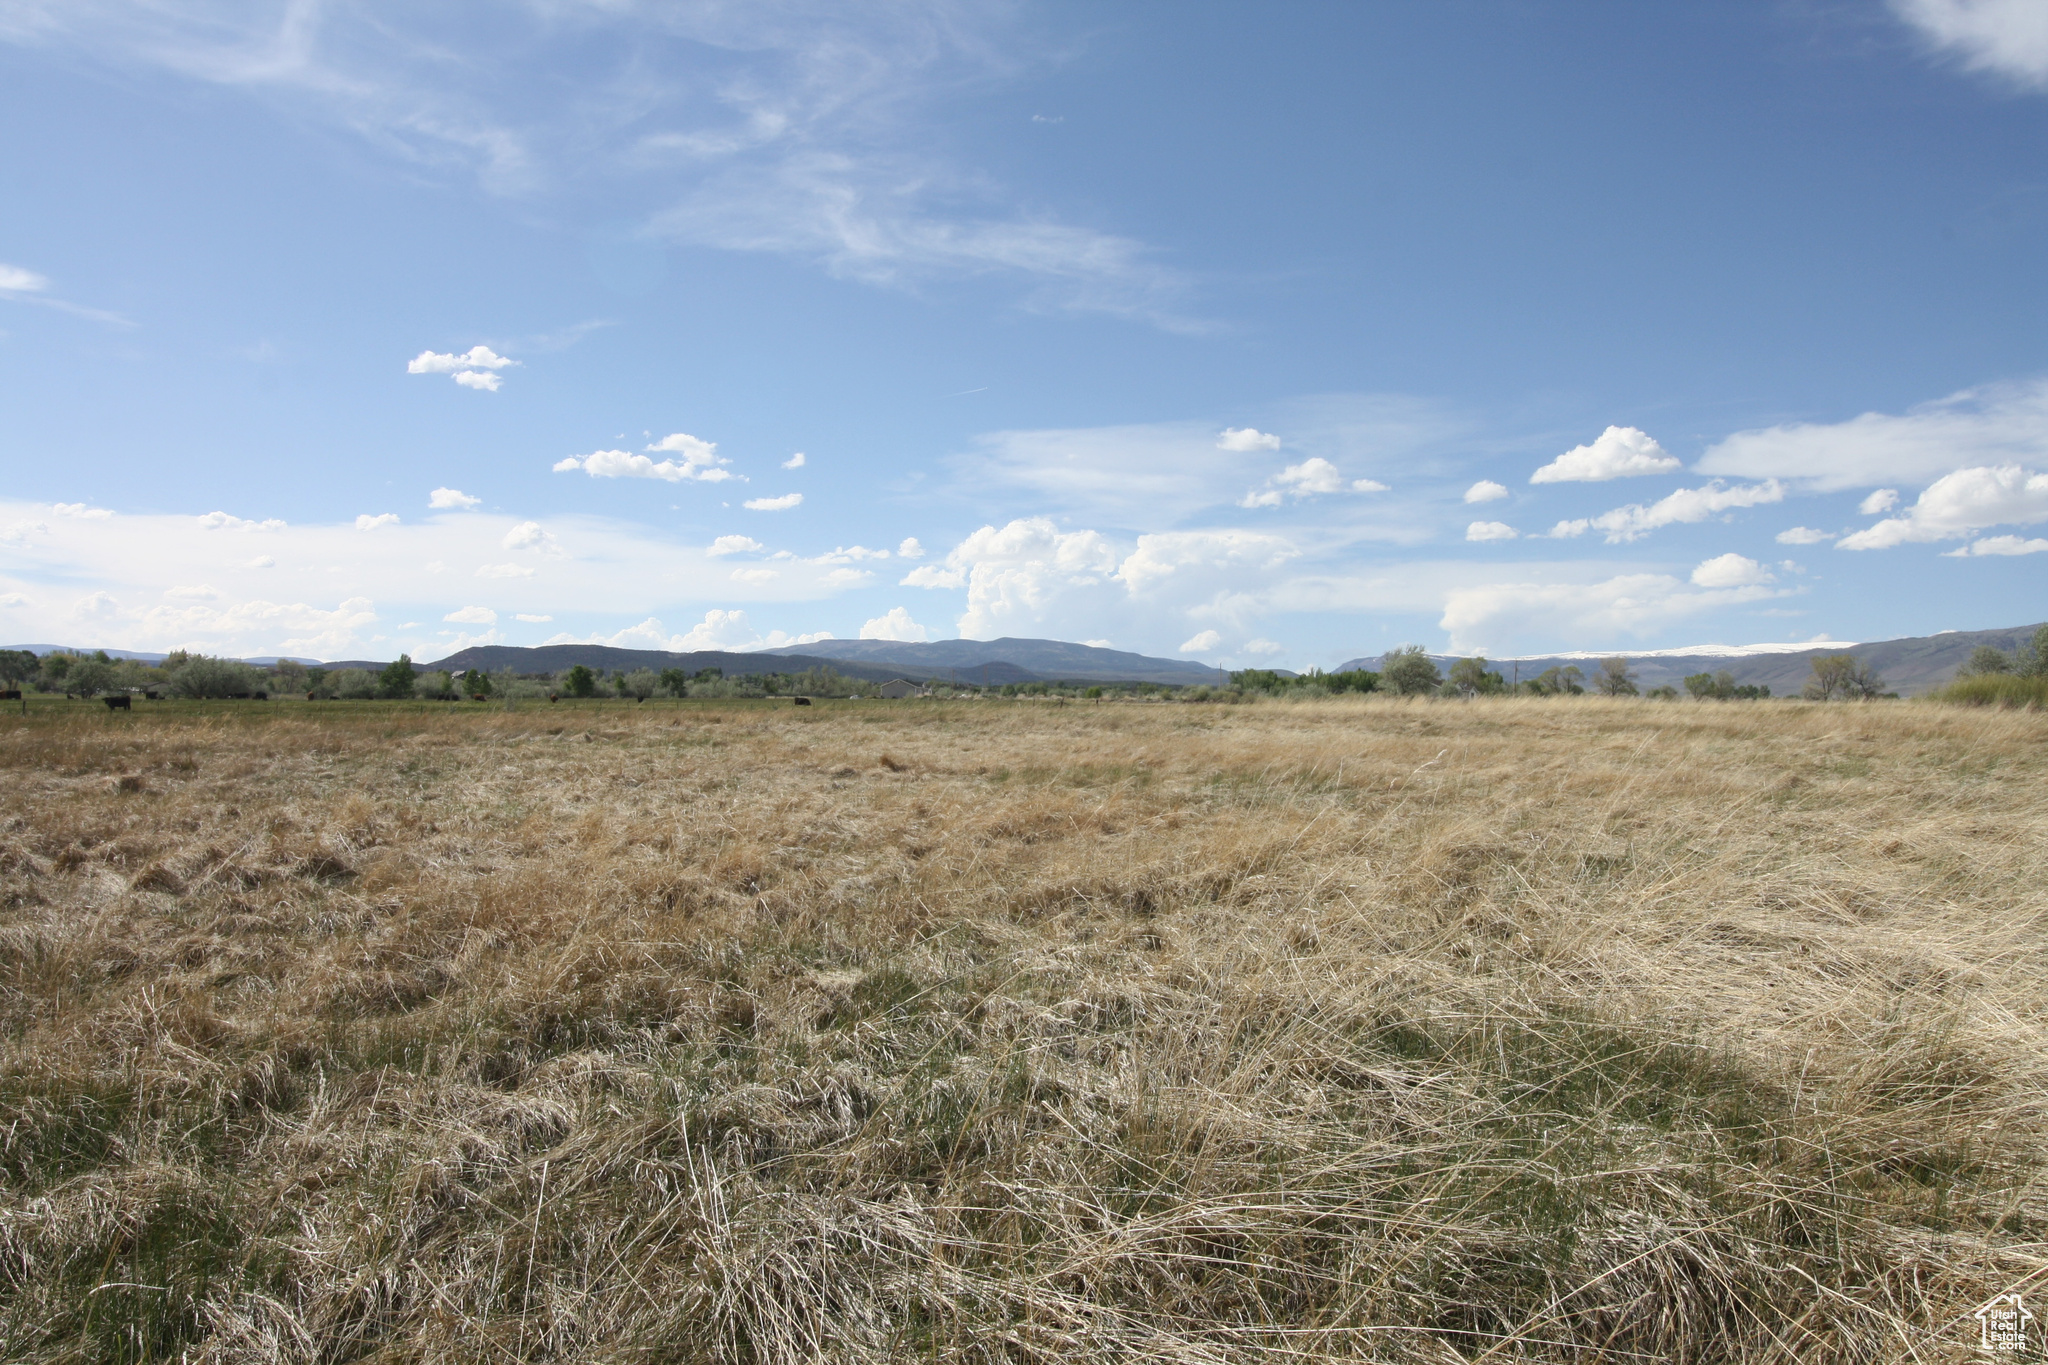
x,y
1991,425
18,284
786,126
2006,37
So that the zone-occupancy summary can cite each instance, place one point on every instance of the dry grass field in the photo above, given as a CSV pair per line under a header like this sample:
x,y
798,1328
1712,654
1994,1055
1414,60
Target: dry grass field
x,y
1354,1030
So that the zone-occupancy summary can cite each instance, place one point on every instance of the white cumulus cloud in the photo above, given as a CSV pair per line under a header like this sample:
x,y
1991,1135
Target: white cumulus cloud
x,y
476,358
473,616
895,625
1687,505
1262,646
1617,453
1202,643
795,461
1883,500
1314,475
1957,504
1246,439
447,499
528,535
366,522
474,369
781,504
735,545
1804,535
1490,530
1311,478
691,460
755,575
1486,490
531,618
910,549
1999,545
222,521
1730,571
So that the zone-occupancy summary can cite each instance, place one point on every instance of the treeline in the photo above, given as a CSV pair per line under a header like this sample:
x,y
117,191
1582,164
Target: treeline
x,y
197,676
1410,672
181,674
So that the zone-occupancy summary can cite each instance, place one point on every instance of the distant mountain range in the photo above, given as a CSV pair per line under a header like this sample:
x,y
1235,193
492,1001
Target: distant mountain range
x,y
1915,664
1047,659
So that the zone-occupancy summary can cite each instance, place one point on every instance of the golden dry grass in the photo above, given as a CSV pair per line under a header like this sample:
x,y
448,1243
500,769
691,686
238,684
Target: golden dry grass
x,y
1010,1032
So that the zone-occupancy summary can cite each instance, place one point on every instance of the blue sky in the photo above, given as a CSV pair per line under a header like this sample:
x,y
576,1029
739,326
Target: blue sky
x,y
1253,334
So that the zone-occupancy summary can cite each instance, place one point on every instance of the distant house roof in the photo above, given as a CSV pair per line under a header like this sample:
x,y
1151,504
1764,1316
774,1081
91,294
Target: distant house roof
x,y
900,687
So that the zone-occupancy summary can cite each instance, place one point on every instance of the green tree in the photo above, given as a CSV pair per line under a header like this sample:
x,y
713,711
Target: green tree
x,y
204,677
1616,678
1711,686
17,666
2031,658
476,683
289,674
1842,677
1557,681
1470,677
675,682
1408,670
89,678
580,682
640,684
50,676
398,679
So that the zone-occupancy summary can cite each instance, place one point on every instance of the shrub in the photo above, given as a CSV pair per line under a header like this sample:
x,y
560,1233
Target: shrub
x,y
1985,660
353,684
580,682
639,684
675,682
1995,689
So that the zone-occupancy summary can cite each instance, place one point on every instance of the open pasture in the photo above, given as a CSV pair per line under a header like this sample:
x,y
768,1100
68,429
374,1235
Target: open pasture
x,y
1361,1029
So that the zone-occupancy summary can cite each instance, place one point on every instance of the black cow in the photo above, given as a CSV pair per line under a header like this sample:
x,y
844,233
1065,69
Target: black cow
x,y
801,701
119,702
11,694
